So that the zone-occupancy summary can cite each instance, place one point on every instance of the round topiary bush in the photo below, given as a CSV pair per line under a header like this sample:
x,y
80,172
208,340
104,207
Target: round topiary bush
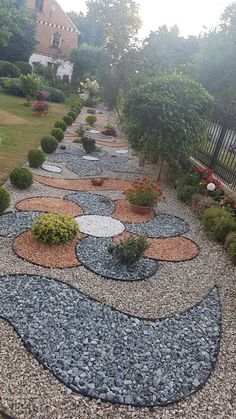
x,y
91,110
73,115
36,158
58,133
54,228
91,119
49,144
218,223
4,200
21,178
60,124
75,109
68,120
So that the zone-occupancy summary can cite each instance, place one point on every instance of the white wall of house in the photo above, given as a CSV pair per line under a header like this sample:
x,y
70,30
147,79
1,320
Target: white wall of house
x,y
65,67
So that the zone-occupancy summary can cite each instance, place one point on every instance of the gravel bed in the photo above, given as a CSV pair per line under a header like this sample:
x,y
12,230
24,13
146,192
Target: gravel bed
x,y
84,168
50,204
119,164
106,354
99,225
93,254
65,155
14,223
92,203
162,225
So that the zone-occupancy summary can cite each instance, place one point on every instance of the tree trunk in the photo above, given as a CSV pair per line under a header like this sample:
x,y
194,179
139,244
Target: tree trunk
x,y
160,166
142,159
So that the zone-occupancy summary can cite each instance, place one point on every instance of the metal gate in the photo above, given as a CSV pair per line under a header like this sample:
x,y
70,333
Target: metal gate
x,y
218,150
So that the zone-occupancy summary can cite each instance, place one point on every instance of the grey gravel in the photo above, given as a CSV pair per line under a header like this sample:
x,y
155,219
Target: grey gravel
x,y
14,223
163,225
106,354
93,253
84,168
92,203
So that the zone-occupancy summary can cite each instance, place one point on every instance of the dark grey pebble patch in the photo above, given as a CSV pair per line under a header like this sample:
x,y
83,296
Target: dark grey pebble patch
x,y
162,225
93,254
92,203
106,354
14,223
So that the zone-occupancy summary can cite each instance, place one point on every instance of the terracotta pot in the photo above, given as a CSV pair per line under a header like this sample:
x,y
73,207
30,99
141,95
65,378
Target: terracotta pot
x,y
97,181
141,209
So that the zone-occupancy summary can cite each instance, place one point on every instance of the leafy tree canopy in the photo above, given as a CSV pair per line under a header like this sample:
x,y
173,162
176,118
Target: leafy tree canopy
x,y
166,116
17,31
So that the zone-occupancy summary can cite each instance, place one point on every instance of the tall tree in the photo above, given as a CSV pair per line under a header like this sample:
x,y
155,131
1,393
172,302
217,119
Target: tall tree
x,y
17,31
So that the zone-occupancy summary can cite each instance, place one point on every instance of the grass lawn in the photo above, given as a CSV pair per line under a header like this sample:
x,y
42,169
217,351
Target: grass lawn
x,y
20,130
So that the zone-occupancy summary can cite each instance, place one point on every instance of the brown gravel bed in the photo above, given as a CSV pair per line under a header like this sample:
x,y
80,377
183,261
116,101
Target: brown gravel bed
x,y
109,144
55,256
46,204
124,213
171,249
82,184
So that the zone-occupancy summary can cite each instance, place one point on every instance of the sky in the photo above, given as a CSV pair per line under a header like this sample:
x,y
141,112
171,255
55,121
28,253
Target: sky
x,y
191,16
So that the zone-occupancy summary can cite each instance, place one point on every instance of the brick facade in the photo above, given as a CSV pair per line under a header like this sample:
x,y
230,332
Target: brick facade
x,y
51,20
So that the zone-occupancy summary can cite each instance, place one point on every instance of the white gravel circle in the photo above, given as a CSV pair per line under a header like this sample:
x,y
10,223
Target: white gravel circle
x,y
100,226
50,168
90,158
122,151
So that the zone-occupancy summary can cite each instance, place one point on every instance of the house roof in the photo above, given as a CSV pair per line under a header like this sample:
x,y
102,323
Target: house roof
x,y
75,28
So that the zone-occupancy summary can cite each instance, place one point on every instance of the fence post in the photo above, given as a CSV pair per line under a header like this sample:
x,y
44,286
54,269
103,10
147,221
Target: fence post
x,y
220,140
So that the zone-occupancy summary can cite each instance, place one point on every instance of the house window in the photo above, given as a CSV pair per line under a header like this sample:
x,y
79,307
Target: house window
x,y
56,40
39,5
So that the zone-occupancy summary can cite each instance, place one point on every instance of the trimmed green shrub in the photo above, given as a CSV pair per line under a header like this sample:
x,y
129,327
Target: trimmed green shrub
x,y
68,120
217,194
75,109
91,119
25,68
54,228
73,115
60,124
129,250
12,86
91,110
36,158
90,102
21,178
55,95
89,144
218,223
4,200
185,193
49,144
8,69
58,133
199,203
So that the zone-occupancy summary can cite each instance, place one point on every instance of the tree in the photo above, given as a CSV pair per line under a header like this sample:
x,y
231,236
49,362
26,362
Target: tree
x,y
17,31
30,85
91,30
165,116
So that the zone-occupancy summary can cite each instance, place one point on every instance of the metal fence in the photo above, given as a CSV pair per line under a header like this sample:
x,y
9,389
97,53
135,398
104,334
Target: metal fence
x,y
218,151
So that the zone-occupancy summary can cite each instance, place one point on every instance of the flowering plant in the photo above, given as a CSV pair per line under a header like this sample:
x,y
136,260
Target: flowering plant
x,y
205,176
42,95
40,108
144,193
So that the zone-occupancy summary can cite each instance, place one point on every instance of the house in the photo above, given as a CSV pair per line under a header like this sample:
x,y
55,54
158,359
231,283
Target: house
x,y
56,36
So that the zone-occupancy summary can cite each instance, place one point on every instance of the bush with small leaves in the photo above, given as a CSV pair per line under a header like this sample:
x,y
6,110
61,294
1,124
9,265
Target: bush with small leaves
x,y
218,223
91,119
185,193
36,158
58,133
4,200
49,144
230,246
54,228
8,69
199,203
68,120
60,124
89,144
73,115
91,110
21,178
129,250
